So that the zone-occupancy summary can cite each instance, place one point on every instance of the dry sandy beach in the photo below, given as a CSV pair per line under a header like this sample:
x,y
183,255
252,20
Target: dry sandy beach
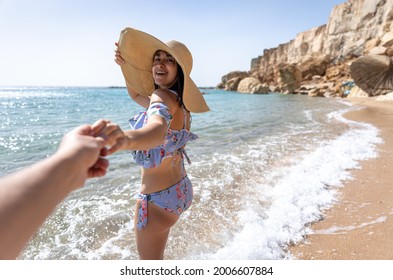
x,y
360,225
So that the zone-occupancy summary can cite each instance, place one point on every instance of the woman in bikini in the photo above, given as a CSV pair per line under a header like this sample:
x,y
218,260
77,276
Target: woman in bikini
x,y
157,77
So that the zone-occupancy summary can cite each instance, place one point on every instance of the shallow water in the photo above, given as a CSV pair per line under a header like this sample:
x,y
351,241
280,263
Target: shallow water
x,y
264,168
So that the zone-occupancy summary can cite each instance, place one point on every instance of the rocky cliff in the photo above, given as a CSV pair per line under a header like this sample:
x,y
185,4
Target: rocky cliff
x,y
318,61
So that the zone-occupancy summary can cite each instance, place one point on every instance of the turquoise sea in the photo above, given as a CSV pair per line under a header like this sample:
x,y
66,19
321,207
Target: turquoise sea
x,y
264,168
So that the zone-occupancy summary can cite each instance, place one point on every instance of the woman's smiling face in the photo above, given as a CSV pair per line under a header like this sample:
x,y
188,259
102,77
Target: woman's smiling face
x,y
164,69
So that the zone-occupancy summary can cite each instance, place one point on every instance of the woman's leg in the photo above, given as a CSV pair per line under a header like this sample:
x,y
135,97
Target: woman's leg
x,y
151,240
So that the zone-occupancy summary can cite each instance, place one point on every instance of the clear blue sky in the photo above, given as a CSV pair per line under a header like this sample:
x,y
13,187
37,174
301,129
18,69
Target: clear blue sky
x,y
71,42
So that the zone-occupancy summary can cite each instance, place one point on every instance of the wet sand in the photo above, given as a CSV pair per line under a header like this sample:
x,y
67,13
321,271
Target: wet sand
x,y
360,225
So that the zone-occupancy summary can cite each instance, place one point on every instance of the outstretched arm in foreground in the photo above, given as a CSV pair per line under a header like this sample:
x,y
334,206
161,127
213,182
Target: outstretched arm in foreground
x,y
29,196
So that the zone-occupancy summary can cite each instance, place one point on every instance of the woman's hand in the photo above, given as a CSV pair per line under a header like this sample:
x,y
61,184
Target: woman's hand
x,y
113,135
118,59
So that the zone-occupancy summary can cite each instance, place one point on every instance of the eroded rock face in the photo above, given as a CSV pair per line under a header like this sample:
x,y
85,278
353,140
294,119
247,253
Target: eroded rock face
x,y
252,85
230,76
354,28
290,78
358,93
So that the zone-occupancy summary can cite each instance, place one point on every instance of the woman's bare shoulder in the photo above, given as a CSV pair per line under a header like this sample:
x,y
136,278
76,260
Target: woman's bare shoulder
x,y
165,96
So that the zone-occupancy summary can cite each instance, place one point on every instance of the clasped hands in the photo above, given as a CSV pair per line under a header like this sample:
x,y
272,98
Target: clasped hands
x,y
87,146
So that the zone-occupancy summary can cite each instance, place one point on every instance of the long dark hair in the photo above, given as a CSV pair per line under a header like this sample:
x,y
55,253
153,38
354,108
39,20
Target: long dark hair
x,y
178,86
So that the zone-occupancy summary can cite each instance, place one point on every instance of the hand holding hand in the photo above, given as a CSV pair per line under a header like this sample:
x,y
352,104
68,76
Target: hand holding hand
x,y
85,151
113,135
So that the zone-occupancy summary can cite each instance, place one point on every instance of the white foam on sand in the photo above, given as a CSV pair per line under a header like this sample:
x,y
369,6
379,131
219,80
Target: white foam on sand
x,y
298,195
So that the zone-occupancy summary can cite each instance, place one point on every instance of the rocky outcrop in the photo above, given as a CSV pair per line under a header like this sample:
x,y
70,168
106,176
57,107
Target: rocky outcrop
x,y
324,54
386,97
252,85
357,92
229,80
289,78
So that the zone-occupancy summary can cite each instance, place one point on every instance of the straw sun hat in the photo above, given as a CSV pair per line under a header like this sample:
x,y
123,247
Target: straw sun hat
x,y
137,48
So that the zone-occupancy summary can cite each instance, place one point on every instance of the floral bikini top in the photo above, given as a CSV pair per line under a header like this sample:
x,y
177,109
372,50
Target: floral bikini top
x,y
174,141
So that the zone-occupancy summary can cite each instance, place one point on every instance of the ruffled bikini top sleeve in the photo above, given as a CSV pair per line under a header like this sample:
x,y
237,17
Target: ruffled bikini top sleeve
x,y
174,141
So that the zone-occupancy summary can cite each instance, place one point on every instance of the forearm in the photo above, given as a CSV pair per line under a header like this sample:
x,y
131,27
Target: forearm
x,y
144,138
28,197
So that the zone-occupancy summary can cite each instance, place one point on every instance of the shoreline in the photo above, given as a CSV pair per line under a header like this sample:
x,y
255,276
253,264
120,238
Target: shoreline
x,y
360,225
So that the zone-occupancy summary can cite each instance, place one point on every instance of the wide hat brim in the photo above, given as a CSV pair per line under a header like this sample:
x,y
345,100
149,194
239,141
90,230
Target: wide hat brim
x,y
373,74
137,48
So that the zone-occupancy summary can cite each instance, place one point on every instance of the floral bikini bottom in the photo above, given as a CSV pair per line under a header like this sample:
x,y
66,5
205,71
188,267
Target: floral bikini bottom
x,y
175,199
